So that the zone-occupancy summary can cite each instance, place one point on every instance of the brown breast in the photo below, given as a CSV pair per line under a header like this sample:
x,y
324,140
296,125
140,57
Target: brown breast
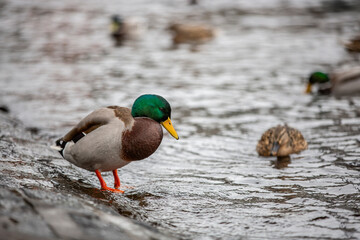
x,y
142,140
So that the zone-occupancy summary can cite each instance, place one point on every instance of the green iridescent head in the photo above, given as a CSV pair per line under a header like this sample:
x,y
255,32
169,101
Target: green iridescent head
x,y
116,19
151,106
156,108
316,77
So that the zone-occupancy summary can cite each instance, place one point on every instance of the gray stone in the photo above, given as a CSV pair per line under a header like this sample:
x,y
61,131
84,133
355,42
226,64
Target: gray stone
x,y
44,200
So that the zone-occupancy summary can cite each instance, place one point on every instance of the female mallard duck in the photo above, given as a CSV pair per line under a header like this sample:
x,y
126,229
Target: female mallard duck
x,y
339,83
190,34
281,141
111,137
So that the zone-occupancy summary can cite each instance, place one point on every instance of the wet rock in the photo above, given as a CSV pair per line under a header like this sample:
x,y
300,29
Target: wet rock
x,y
37,201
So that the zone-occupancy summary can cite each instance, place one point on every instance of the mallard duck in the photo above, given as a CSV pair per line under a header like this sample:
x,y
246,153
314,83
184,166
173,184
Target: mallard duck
x,y
353,45
124,29
190,34
193,2
339,83
281,141
111,137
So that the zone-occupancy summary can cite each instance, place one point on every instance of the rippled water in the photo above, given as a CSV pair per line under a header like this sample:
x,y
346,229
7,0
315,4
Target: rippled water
x,y
58,64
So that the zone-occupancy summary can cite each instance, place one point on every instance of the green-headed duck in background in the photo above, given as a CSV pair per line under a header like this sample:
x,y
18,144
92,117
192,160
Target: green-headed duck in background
x,y
339,83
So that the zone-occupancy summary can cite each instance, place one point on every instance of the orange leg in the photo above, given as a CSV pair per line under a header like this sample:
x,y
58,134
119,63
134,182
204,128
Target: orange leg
x,y
103,183
116,179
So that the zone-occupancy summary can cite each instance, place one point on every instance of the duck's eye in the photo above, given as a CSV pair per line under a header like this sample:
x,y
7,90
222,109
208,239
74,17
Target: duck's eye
x,y
162,109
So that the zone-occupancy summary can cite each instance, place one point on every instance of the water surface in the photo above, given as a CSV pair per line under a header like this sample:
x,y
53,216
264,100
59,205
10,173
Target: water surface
x,y
58,64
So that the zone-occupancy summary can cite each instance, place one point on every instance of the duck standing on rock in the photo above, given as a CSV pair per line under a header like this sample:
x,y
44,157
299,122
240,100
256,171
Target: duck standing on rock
x,y
110,138
339,83
281,141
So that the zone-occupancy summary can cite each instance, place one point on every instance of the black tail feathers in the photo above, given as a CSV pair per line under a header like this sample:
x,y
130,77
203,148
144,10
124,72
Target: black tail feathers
x,y
61,143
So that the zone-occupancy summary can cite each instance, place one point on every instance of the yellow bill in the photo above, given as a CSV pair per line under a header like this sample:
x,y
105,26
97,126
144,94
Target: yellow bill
x,y
114,27
308,88
169,127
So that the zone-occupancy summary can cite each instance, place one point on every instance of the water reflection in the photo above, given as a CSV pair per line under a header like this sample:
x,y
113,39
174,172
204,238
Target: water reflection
x,y
281,162
59,64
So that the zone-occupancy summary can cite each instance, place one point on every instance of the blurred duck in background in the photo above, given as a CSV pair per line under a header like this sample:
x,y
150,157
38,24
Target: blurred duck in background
x,y
190,34
339,83
281,141
353,45
125,29
193,2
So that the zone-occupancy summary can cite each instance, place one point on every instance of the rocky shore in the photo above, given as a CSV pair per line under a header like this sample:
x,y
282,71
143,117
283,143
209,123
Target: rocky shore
x,y
38,201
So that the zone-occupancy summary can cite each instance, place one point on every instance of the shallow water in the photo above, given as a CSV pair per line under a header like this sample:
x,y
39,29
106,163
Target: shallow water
x,y
58,64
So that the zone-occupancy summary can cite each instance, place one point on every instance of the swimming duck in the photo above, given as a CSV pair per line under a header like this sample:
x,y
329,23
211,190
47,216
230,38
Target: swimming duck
x,y
339,83
124,29
111,137
190,33
281,141
193,2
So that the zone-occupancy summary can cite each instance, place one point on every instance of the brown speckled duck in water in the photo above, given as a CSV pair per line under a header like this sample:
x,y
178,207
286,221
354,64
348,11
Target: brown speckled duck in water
x,y
339,83
281,141
111,137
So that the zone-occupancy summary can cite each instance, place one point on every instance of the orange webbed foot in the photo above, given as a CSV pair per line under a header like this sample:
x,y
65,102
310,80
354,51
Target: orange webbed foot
x,y
104,187
112,190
